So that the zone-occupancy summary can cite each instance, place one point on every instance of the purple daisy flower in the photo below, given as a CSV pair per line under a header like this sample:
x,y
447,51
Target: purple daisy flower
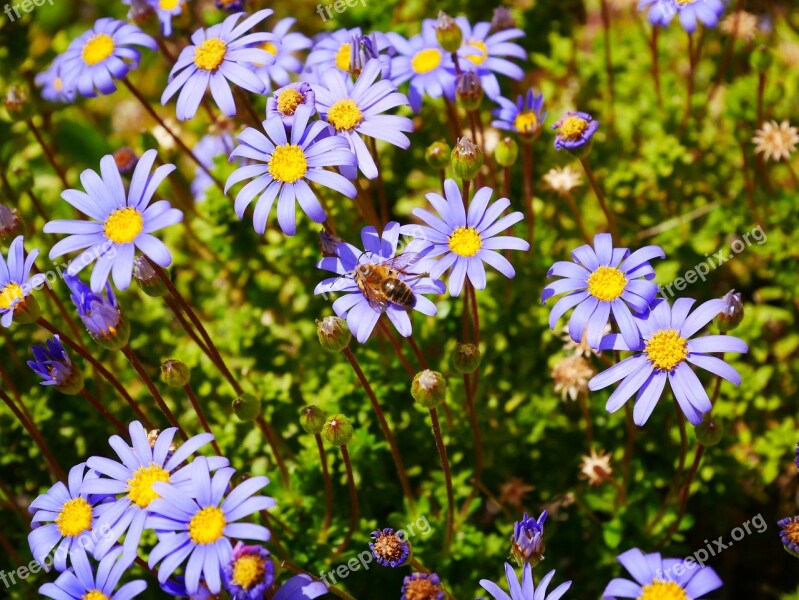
x,y
601,280
656,577
134,476
354,109
197,528
100,314
574,130
52,82
122,223
422,61
362,309
340,50
102,54
283,47
491,54
389,548
422,585
284,164
301,587
216,57
207,150
81,583
528,539
284,102
52,363
661,12
527,589
249,572
164,10
66,517
464,241
663,352
16,282
525,117
789,535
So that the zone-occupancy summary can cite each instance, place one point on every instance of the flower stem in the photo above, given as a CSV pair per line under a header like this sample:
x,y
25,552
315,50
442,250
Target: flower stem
x,y
48,152
506,182
195,403
266,429
678,473
683,496
601,198
397,347
589,428
442,452
478,443
381,190
453,120
527,156
103,411
356,512
328,486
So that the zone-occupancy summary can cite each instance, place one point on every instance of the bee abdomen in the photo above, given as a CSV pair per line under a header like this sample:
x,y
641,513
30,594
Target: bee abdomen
x,y
398,292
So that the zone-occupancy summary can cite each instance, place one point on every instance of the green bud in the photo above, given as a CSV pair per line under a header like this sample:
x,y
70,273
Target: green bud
x,y
466,358
709,431
448,34
27,311
247,407
333,333
312,419
338,430
73,384
429,388
506,152
469,90
761,59
467,159
438,155
11,224
117,338
732,315
147,279
175,373
17,103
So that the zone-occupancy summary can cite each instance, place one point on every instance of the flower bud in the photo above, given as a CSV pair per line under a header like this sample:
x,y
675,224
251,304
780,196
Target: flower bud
x,y
448,34
466,358
11,224
125,159
328,243
761,59
527,542
148,279
732,315
438,155
469,90
312,419
338,430
502,19
333,334
247,407
709,431
115,338
506,152
17,103
467,159
27,311
175,373
429,388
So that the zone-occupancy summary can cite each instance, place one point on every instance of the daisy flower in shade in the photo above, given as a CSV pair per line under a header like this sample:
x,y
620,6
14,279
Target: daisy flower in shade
x,y
301,587
601,280
249,572
283,166
122,222
363,308
285,101
16,284
197,528
102,54
776,141
574,130
283,47
132,478
662,353
82,583
464,241
661,12
216,57
52,82
389,548
65,517
526,590
422,586
491,55
207,150
51,362
789,535
525,117
354,109
423,62
655,577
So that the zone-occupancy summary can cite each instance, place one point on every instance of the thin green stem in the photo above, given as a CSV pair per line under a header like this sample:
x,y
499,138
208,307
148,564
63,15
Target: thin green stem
x,y
48,152
95,403
356,511
195,403
442,452
527,159
266,429
589,173
328,486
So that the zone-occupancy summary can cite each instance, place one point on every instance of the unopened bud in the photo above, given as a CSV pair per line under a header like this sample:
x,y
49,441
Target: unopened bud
x,y
448,34
709,431
506,152
17,102
438,155
338,430
126,159
247,407
11,224
502,19
732,315
467,159
469,90
312,419
429,388
27,311
147,278
175,373
115,338
761,59
466,358
333,333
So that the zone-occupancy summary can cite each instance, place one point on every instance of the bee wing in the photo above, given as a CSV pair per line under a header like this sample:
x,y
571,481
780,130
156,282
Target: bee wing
x,y
404,262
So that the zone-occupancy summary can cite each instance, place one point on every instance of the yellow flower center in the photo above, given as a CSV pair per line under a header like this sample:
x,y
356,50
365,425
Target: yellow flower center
x,y
345,115
210,54
98,48
478,59
288,101
168,4
207,526
58,84
426,60
269,47
663,590
606,283
666,349
343,57
124,225
10,294
572,128
94,595
248,571
288,163
140,486
526,122
75,517
791,531
685,2
465,241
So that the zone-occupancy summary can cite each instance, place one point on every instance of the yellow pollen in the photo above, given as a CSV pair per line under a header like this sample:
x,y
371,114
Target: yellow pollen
x,y
207,526
140,486
426,60
465,241
269,47
685,2
58,84
478,59
288,101
124,225
94,595
343,57
526,122
210,54
606,284
11,293
345,115
288,163
248,571
666,349
572,128
97,49
75,517
663,590
168,4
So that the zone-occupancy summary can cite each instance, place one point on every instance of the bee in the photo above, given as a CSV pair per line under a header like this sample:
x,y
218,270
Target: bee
x,y
386,281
